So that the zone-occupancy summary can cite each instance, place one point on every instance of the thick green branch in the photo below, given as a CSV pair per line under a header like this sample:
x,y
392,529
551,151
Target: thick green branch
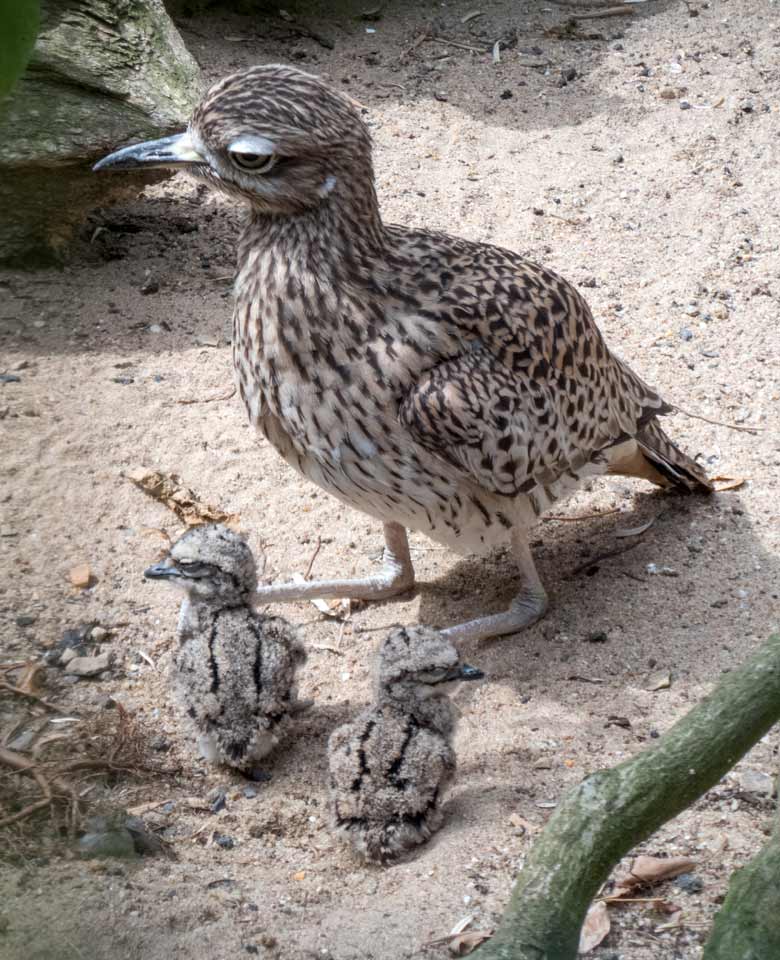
x,y
611,811
747,926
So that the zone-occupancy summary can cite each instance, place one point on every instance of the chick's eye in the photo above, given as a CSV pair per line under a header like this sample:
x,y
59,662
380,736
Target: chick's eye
x,y
257,162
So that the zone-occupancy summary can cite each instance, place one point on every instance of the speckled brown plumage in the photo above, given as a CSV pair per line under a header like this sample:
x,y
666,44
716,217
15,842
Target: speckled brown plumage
x,y
436,384
234,669
389,766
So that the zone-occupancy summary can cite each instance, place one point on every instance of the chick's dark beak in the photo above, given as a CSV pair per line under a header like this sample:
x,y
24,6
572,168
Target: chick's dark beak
x,y
175,151
463,671
162,571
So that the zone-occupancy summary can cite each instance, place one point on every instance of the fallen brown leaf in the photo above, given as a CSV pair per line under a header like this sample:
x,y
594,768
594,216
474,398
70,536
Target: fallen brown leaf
x,y
31,679
464,943
727,483
595,928
168,489
650,870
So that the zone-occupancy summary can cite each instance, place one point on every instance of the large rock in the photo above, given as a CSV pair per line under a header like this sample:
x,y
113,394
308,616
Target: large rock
x,y
103,73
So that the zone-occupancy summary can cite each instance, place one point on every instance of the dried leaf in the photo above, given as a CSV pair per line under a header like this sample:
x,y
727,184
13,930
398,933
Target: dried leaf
x,y
727,483
635,531
168,489
80,576
465,943
650,870
31,680
595,928
520,823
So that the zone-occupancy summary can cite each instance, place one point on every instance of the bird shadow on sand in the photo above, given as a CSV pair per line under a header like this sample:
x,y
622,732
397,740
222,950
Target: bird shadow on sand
x,y
620,604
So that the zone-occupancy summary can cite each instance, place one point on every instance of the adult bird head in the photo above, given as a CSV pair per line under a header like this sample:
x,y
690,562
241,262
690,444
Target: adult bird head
x,y
271,135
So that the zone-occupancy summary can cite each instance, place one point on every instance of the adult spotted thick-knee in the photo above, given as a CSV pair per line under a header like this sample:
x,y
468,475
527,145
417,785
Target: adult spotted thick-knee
x,y
234,669
436,384
389,766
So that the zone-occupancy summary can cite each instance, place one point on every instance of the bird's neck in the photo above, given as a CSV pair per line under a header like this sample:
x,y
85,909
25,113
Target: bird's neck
x,y
328,240
435,712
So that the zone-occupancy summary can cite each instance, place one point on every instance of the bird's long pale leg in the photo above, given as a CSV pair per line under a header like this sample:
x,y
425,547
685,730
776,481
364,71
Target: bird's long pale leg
x,y
396,576
526,608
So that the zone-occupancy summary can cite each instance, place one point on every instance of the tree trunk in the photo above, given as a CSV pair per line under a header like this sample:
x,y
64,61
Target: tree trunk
x,y
611,811
103,72
747,927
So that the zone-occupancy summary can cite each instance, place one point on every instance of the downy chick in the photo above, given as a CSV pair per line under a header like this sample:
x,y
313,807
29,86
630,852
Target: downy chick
x,y
234,669
389,766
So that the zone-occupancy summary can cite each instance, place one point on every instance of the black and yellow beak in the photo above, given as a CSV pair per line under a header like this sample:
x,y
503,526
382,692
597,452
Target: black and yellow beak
x,y
175,151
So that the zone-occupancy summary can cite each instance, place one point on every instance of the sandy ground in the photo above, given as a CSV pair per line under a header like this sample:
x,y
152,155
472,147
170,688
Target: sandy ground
x,y
667,216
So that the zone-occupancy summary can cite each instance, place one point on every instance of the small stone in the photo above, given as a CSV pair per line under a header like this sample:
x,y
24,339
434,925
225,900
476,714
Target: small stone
x,y
542,763
80,576
107,837
598,636
661,680
747,106
9,378
260,776
689,883
756,781
26,619
98,634
160,744
685,105
124,381
506,94
23,741
150,286
218,803
89,666
568,74
144,841
249,792
668,93
224,841
686,333
155,328
661,570
617,158
441,96
70,654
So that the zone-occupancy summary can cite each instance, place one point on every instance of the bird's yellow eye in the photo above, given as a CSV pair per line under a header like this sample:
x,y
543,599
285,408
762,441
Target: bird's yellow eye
x,y
256,162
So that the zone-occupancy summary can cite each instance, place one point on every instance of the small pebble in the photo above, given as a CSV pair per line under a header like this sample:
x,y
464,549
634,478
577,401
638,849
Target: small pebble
x,y
506,94
440,96
89,666
249,792
9,378
150,286
224,841
155,328
685,105
686,333
218,803
26,619
260,776
568,74
689,883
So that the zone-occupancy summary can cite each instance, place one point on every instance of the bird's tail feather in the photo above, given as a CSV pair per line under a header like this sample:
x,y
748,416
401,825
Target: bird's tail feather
x,y
676,467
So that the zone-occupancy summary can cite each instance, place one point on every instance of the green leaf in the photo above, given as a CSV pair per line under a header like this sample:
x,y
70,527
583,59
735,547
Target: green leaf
x,y
18,30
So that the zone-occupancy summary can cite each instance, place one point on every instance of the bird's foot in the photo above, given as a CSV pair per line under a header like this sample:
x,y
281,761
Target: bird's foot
x,y
525,609
396,576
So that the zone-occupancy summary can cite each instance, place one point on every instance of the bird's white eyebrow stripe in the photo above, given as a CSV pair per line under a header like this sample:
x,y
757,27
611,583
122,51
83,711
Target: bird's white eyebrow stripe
x,y
250,143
